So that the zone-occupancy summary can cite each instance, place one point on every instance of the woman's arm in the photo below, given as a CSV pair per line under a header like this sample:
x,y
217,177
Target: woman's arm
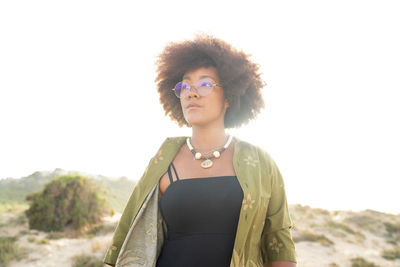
x,y
280,264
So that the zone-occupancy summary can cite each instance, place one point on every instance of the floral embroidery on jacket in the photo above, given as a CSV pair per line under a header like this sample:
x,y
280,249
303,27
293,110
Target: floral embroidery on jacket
x,y
256,242
275,245
158,157
250,161
248,203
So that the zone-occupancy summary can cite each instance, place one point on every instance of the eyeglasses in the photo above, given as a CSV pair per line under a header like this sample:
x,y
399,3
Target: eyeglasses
x,y
202,87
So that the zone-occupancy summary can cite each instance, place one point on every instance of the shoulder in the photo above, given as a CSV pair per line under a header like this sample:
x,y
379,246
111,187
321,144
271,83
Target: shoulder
x,y
173,141
175,138
256,151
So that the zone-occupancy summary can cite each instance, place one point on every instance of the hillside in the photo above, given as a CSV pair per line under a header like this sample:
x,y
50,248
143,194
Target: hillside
x,y
14,190
345,238
323,239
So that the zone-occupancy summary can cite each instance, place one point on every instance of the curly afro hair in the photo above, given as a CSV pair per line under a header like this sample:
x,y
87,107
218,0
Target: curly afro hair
x,y
238,76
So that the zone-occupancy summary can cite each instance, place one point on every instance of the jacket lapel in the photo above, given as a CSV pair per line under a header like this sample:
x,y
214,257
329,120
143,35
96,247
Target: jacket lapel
x,y
144,248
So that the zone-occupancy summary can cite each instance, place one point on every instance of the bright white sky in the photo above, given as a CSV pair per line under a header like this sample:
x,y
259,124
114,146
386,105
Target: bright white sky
x,y
77,89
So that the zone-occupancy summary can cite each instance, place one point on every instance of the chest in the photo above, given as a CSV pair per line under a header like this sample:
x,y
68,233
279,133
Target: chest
x,y
186,167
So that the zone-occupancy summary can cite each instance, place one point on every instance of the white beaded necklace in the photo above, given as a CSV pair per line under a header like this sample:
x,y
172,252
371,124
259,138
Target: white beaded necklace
x,y
207,163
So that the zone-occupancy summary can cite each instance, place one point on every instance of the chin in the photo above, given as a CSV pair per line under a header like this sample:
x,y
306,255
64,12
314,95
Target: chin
x,y
197,121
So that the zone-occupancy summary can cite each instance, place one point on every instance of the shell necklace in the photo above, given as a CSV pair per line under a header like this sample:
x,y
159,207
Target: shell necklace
x,y
207,163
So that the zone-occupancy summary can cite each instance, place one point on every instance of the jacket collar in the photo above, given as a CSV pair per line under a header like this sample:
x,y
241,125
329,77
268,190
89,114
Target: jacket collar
x,y
243,152
170,148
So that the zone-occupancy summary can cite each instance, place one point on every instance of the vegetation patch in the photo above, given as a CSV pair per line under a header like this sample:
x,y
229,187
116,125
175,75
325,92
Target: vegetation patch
x,y
31,239
313,237
391,254
84,260
55,235
97,246
101,229
392,228
17,220
43,241
393,233
361,262
9,250
367,222
341,229
6,207
68,201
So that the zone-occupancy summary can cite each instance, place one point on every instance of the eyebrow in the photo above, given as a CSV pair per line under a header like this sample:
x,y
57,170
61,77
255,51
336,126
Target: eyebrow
x,y
201,77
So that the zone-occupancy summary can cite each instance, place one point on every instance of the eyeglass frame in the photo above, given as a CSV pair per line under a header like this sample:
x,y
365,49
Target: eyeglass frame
x,y
195,87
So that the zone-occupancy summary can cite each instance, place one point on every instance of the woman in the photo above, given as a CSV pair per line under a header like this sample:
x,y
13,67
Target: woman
x,y
209,199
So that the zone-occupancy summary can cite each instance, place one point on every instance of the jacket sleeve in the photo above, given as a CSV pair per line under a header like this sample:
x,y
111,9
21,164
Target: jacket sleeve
x,y
127,216
122,229
276,240
125,222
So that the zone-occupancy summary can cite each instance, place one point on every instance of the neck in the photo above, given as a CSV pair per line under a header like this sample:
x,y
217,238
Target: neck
x,y
206,138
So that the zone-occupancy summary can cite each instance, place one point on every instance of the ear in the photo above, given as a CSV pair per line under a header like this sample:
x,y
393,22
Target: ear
x,y
226,103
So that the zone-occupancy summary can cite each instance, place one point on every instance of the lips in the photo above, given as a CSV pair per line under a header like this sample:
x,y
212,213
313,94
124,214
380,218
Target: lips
x,y
192,105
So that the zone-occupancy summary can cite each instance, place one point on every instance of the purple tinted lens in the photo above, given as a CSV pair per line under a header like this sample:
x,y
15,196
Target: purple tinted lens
x,y
205,83
178,86
185,85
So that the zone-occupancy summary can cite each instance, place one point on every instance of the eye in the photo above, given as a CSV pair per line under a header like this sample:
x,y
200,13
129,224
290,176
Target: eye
x,y
185,85
205,83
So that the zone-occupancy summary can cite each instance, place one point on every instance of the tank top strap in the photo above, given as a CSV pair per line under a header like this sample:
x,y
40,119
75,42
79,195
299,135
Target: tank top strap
x,y
176,174
170,174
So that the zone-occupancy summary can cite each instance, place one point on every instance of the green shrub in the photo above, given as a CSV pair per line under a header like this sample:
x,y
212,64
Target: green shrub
x,y
392,228
70,200
391,254
361,262
84,260
393,233
9,250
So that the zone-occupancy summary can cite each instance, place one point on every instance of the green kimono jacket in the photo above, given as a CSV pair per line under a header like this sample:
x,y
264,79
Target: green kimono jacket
x,y
263,233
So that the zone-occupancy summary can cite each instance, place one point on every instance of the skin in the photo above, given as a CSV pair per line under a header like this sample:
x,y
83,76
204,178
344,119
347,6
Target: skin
x,y
208,132
207,122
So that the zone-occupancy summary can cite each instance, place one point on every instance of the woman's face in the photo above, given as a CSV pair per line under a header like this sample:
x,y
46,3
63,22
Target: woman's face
x,y
211,108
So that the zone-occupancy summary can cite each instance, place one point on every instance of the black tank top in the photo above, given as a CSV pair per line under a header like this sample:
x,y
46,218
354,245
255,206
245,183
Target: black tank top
x,y
201,216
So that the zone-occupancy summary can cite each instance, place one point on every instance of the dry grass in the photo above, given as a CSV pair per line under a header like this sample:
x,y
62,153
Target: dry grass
x,y
97,246
313,237
83,260
43,241
391,254
361,262
342,230
55,235
9,250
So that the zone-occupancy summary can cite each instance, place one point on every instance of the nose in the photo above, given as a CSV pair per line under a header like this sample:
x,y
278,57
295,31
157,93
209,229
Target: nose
x,y
192,93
